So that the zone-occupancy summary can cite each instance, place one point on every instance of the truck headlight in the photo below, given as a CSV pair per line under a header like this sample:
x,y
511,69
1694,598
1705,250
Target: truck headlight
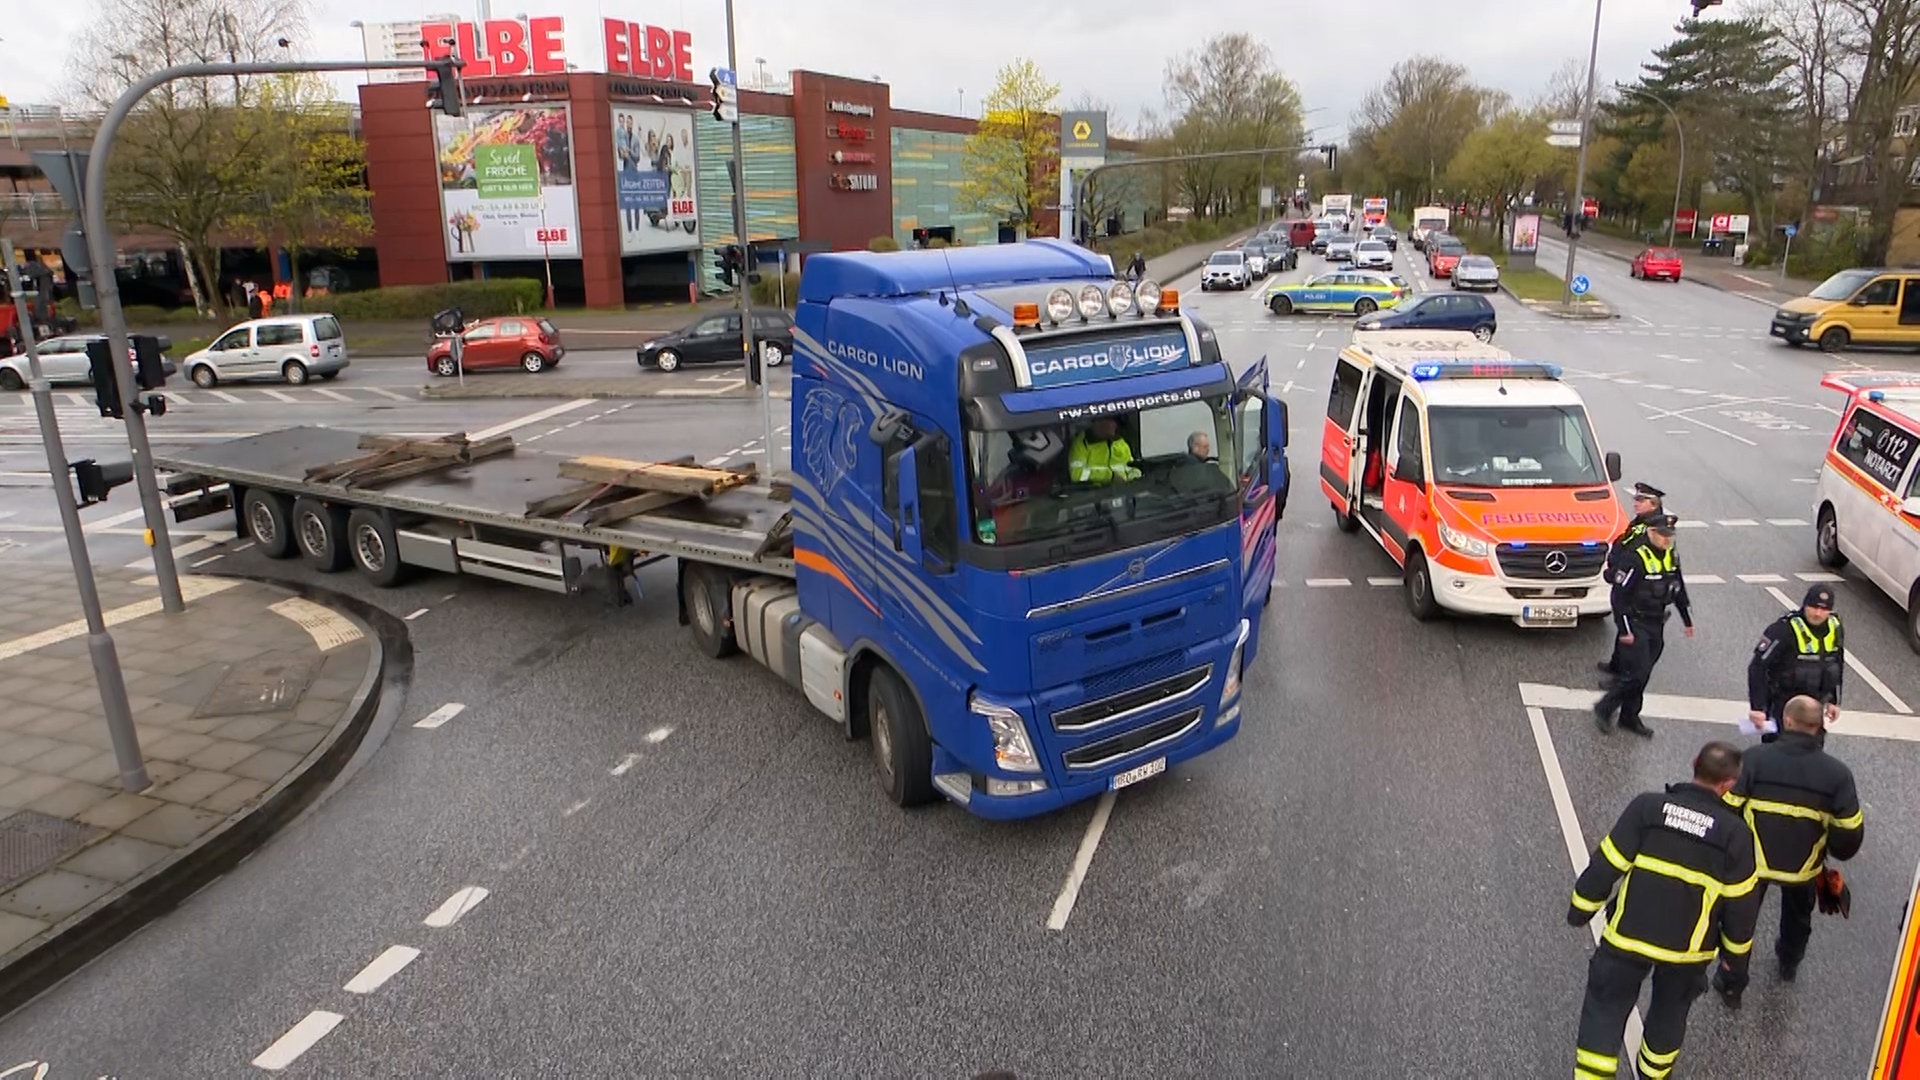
x,y
1230,689
1012,748
1464,544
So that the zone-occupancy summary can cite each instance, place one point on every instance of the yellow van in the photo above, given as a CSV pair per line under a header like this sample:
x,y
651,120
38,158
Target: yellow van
x,y
1873,307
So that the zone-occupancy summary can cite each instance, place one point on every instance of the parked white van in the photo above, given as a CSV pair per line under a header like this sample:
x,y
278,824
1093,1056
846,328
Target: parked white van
x,y
1867,502
291,347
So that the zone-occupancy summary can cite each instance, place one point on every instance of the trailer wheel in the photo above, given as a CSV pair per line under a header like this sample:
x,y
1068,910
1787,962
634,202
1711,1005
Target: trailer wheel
x,y
902,753
705,594
374,548
266,513
321,532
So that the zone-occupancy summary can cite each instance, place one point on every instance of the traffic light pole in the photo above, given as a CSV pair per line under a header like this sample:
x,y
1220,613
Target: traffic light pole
x,y
105,256
746,250
1579,207
100,647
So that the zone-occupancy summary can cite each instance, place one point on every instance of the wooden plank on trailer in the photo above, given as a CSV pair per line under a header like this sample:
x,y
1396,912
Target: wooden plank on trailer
x,y
402,469
633,506
570,500
655,476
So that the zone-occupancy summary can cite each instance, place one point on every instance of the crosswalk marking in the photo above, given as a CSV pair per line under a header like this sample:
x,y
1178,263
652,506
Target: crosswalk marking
x,y
278,396
334,394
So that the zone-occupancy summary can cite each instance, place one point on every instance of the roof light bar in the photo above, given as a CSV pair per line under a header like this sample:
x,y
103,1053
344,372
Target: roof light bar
x,y
1429,370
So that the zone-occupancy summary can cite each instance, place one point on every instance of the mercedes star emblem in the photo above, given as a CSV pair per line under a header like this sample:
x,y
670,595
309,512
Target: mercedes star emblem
x,y
1136,568
1556,562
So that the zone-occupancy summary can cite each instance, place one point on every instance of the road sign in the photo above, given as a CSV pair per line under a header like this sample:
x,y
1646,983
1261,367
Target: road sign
x,y
726,95
1581,284
1558,139
1564,127
1590,207
1790,229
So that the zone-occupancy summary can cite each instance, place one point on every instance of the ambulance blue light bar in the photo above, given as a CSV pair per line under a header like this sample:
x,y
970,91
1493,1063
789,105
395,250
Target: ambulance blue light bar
x,y
1429,370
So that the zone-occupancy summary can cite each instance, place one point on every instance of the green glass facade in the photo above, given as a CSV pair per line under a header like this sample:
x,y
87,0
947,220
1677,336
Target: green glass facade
x,y
773,192
927,170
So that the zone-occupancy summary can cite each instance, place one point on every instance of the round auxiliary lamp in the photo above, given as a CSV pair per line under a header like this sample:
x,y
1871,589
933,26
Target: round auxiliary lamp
x,y
1121,298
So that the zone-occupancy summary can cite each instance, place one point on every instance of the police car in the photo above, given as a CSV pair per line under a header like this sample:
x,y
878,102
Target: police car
x,y
1354,292
1867,499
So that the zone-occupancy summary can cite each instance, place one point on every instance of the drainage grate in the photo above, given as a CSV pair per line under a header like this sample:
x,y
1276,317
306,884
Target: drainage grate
x,y
270,683
30,842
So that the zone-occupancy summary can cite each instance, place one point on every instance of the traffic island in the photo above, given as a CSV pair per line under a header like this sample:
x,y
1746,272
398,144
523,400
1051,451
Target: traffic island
x,y
246,705
1578,309
718,387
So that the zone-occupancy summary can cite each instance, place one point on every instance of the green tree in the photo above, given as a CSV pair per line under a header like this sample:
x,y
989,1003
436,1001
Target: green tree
x,y
1013,161
1227,95
1502,161
1415,120
310,185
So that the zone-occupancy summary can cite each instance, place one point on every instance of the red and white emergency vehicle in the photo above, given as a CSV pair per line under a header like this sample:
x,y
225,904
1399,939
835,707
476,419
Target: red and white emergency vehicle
x,y
1867,498
1479,473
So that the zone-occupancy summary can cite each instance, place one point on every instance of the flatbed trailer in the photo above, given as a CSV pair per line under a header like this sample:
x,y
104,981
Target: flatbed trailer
x,y
470,518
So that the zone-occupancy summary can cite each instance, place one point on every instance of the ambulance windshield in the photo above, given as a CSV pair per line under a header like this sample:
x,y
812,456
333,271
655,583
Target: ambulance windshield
x,y
1514,446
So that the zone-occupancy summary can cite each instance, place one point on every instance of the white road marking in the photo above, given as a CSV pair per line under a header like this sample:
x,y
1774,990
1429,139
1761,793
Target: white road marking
x,y
440,715
384,392
416,614
1886,692
243,546
1327,582
1729,711
1820,575
333,395
531,418
659,735
1681,414
455,906
117,519
626,765
281,396
226,397
299,1039
575,808
1760,579
721,460
1737,523
1691,523
1384,582
1705,579
1658,386
384,967
212,559
1576,842
1786,523
1082,859
1631,382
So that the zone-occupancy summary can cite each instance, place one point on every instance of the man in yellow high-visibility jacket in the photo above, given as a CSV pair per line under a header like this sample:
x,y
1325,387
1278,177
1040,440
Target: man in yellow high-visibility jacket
x,y
1101,456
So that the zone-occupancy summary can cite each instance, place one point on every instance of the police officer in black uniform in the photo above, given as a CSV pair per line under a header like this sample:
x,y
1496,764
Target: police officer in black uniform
x,y
1648,503
1801,652
1646,581
1803,807
1690,890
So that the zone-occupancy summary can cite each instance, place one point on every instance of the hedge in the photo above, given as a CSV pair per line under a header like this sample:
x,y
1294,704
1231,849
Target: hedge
x,y
766,291
1157,240
476,299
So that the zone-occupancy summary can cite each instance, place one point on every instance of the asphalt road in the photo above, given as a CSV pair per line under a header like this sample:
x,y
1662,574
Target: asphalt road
x,y
690,874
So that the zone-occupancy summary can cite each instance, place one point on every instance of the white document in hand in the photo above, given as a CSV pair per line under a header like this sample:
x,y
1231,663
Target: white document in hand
x,y
1764,727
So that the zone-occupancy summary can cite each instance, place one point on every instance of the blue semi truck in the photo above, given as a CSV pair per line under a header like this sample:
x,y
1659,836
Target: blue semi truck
x,y
1024,548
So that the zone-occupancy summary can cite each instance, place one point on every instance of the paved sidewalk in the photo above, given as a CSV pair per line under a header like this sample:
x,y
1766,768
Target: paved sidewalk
x,y
246,704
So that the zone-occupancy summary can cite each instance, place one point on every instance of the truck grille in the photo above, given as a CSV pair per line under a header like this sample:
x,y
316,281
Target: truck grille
x,y
1119,706
1551,562
1106,751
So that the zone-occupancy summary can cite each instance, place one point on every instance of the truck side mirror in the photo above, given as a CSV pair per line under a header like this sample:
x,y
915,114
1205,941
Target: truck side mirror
x,y
907,536
1613,465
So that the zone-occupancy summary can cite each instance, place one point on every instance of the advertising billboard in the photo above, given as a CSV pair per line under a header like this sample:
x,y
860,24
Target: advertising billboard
x,y
654,180
506,183
1526,234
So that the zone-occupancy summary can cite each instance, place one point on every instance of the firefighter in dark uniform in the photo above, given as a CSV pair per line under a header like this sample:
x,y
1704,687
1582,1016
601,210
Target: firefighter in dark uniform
x,y
1802,652
1689,890
1803,807
1646,581
1648,503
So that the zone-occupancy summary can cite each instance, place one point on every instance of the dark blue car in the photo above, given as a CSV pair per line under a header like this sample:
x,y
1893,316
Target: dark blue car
x,y
1437,311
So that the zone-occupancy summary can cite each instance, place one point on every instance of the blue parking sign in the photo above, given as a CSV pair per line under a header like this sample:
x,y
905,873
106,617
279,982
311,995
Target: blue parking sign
x,y
1790,230
1581,284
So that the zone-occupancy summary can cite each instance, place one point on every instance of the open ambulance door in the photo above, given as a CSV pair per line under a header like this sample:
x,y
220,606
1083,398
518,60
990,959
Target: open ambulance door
x,y
1898,1056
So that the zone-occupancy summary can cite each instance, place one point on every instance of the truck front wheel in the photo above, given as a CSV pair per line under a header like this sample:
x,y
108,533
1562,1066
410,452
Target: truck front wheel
x,y
902,753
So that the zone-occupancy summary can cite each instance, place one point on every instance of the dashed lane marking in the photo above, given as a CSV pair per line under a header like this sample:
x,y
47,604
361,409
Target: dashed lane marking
x,y
440,715
454,907
1082,860
299,1039
384,967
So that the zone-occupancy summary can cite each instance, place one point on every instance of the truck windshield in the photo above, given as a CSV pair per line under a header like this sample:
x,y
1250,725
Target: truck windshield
x,y
1112,480
1514,446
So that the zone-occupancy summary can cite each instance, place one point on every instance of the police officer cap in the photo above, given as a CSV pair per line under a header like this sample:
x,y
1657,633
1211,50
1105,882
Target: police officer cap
x,y
1819,596
1647,491
1664,524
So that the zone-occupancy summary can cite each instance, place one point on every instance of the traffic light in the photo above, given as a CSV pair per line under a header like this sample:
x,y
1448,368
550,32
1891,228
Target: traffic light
x,y
444,90
95,480
755,371
106,388
723,262
1333,157
1702,5
149,365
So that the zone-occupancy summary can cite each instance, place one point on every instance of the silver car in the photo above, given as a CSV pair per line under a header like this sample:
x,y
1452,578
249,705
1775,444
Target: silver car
x,y
1476,272
63,360
1340,247
290,347
1372,255
1225,270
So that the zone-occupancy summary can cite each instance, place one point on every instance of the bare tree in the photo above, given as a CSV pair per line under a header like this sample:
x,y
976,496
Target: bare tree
x,y
1565,91
1814,36
1227,95
186,160
1886,36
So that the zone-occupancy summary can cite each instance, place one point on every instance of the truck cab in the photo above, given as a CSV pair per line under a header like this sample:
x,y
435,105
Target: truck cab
x,y
1034,523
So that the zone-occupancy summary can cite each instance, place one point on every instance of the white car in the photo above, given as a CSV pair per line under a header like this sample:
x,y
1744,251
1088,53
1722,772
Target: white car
x,y
1257,264
1372,255
290,347
1225,270
64,362
1476,272
1340,247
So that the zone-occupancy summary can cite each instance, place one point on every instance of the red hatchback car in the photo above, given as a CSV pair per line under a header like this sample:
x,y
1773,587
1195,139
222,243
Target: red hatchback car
x,y
1656,262
510,341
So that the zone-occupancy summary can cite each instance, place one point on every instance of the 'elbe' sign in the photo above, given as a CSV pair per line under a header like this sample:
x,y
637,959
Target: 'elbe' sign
x,y
538,47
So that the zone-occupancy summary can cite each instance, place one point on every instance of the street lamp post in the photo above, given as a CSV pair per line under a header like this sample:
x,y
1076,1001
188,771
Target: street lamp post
x,y
1580,170
546,251
1680,179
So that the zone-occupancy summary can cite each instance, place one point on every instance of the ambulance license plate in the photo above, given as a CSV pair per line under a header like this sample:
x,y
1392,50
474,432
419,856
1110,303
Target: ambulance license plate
x,y
1139,773
1549,615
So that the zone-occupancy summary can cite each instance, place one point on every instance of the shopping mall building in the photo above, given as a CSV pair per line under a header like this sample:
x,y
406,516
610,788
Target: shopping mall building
x,y
621,179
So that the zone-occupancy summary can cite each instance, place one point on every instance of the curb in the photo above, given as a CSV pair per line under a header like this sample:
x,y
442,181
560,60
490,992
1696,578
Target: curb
x,y
1540,307
89,933
601,392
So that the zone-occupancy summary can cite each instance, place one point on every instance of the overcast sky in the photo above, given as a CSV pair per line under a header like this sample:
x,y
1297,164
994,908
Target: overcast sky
x,y
1113,49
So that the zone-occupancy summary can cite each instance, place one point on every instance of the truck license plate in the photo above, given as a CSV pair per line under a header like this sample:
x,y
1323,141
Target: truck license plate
x,y
1139,773
1549,615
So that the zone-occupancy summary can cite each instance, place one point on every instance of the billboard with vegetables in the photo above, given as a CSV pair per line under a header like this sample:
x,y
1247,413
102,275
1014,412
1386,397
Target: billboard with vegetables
x,y
506,183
